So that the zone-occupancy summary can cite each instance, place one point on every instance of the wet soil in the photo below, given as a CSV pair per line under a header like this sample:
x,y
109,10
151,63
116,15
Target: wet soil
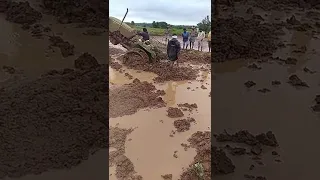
x,y
202,142
65,47
174,112
268,102
129,98
73,126
183,124
22,13
88,13
164,70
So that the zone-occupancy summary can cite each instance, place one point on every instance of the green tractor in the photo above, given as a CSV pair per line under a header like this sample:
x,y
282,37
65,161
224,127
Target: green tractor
x,y
121,33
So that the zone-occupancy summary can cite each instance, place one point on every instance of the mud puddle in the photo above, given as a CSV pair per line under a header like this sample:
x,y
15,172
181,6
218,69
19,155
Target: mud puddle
x,y
284,109
155,132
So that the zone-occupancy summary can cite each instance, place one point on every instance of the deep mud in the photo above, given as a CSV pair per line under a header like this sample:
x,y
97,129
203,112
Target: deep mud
x,y
164,70
113,51
129,98
194,57
88,13
201,141
239,38
66,121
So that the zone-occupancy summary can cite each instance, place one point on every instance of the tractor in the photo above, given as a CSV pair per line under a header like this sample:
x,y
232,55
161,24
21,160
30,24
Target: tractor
x,y
123,34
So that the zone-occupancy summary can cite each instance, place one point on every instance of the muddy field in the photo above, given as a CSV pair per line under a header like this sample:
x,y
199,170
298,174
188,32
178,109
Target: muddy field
x,y
54,91
265,91
164,110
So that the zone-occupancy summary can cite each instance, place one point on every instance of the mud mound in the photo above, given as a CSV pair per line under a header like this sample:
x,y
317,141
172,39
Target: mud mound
x,y
113,51
174,112
130,98
183,124
65,121
86,62
22,13
195,57
238,38
201,141
190,107
165,71
65,47
245,137
90,13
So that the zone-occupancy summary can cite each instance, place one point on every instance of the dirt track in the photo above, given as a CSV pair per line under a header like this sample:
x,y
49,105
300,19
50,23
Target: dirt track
x,y
267,82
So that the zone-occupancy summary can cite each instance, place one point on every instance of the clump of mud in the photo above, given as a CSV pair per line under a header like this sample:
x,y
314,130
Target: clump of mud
x,y
115,65
85,62
316,108
167,177
66,120
183,125
37,30
245,137
88,13
189,107
194,57
295,81
239,38
174,112
9,69
65,47
221,163
129,98
113,51
165,71
22,13
249,84
201,141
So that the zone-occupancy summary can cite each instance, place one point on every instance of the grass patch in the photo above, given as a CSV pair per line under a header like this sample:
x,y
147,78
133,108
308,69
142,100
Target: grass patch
x,y
160,31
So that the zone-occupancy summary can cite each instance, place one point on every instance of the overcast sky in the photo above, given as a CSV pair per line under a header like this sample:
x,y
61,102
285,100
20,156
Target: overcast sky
x,y
176,12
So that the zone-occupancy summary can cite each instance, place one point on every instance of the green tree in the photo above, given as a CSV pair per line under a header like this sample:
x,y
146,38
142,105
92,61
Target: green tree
x,y
205,24
132,23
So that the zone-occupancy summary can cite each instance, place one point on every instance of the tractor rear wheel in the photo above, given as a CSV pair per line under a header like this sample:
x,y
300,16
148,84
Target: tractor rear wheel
x,y
136,55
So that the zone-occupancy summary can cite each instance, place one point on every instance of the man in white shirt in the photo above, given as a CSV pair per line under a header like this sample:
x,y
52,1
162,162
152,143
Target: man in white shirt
x,y
200,39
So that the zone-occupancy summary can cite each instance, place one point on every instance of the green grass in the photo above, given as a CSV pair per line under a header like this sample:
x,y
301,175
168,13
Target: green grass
x,y
160,32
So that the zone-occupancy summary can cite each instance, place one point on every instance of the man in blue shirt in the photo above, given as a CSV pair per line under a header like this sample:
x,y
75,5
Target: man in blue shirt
x,y
185,38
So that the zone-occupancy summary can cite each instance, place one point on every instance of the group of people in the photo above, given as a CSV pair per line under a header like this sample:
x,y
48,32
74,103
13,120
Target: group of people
x,y
174,46
189,38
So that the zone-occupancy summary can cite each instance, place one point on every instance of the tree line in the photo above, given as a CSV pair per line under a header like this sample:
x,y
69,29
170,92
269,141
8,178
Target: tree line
x,y
204,25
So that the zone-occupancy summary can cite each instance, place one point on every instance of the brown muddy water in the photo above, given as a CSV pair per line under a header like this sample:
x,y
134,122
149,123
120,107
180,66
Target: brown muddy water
x,y
31,58
285,110
151,146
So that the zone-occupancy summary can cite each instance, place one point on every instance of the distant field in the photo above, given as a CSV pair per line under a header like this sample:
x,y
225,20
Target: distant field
x,y
160,32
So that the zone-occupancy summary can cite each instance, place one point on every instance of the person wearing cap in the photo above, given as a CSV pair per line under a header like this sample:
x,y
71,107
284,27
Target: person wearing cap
x,y
200,39
193,36
144,34
173,49
185,38
209,41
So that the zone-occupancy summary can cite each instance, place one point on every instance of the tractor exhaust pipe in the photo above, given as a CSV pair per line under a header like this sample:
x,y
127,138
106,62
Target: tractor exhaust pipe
x,y
123,19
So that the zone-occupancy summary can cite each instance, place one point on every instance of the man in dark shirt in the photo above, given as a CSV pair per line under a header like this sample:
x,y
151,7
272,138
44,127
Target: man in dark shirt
x,y
173,49
144,34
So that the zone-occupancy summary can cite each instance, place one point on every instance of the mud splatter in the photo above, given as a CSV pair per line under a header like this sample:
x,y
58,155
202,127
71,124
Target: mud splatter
x,y
174,112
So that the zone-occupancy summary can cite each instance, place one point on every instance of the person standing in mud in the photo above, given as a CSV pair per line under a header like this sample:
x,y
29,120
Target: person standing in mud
x,y
209,41
173,49
200,39
193,36
144,34
185,38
